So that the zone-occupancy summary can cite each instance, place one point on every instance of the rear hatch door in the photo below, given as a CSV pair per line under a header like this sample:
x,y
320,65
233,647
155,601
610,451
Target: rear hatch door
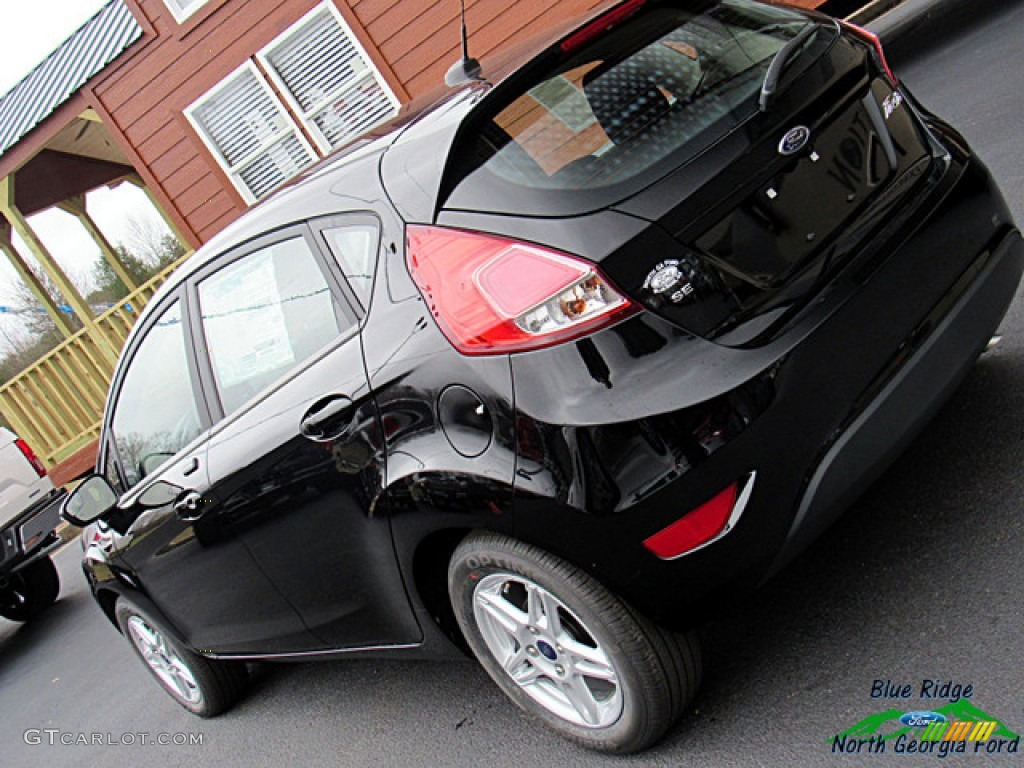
x,y
750,202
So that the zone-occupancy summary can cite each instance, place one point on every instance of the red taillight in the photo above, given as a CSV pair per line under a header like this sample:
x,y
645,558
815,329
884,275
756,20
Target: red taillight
x,y
30,455
491,295
871,38
600,25
695,528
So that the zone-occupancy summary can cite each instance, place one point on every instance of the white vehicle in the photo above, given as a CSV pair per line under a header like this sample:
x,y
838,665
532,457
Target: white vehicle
x,y
29,515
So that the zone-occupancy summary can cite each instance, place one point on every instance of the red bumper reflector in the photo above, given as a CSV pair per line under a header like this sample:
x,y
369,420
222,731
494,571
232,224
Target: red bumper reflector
x,y
695,528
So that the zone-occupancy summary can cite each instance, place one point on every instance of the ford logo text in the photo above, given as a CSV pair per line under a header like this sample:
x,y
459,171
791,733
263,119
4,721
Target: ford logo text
x,y
795,140
922,719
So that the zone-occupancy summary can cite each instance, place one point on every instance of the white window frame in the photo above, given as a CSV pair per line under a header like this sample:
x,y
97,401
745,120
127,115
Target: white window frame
x,y
182,13
305,116
233,172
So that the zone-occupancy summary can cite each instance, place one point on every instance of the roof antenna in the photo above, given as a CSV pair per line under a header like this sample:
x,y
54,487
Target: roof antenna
x,y
466,69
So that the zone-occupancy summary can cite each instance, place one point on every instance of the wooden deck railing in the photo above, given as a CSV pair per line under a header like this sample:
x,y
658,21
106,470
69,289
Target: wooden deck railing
x,y
56,404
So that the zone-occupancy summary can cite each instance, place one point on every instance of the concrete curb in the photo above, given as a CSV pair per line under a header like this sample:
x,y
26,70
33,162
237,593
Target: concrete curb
x,y
872,11
68,532
910,24
901,20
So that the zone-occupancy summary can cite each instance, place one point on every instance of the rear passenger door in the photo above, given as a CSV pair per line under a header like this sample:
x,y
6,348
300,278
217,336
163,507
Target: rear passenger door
x,y
295,462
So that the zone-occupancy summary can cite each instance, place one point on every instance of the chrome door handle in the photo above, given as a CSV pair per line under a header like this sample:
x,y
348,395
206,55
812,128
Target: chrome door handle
x,y
328,419
189,507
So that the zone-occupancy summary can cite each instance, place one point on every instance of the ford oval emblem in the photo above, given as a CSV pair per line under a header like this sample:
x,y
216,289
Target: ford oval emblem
x,y
922,719
795,140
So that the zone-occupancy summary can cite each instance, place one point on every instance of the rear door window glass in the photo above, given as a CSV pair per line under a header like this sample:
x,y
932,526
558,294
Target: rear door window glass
x,y
354,247
263,315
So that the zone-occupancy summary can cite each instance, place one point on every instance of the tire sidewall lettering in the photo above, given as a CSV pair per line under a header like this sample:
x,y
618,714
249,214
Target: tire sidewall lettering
x,y
476,566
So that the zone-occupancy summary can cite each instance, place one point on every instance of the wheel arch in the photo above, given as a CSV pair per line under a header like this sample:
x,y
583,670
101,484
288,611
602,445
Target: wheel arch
x,y
107,599
430,579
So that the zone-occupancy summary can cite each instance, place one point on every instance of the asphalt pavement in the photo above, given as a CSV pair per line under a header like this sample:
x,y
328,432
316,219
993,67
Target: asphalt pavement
x,y
914,26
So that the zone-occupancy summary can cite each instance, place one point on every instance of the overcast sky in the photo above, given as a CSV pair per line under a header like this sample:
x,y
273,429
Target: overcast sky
x,y
29,31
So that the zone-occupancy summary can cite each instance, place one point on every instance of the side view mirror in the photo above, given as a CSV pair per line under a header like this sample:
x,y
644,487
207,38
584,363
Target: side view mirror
x,y
91,500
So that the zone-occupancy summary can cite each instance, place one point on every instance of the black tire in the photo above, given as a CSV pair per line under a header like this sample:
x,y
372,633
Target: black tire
x,y
30,591
598,673
205,687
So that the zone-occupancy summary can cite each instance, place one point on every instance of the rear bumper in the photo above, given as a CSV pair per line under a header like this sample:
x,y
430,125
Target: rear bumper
x,y
33,533
622,434
933,360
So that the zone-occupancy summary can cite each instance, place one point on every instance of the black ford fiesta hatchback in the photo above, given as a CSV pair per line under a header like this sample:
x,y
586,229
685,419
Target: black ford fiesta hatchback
x,y
550,368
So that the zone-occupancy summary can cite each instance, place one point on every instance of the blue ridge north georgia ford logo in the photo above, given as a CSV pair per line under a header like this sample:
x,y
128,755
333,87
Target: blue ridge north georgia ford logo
x,y
669,280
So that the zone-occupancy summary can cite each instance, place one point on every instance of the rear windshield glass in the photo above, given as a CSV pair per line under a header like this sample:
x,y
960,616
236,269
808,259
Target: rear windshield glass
x,y
632,105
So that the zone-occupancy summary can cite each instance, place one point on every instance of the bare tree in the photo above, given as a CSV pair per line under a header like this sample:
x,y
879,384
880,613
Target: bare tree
x,y
150,247
36,333
25,303
150,241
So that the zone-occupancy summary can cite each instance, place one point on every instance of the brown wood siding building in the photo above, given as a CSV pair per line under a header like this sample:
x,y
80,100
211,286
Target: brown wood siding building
x,y
143,96
208,105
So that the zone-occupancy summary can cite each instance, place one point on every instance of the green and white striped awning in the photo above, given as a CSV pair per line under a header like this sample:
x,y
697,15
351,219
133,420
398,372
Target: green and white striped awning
x,y
96,43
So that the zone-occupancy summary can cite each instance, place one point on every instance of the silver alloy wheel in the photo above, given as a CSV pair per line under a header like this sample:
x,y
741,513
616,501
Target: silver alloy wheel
x,y
165,662
547,651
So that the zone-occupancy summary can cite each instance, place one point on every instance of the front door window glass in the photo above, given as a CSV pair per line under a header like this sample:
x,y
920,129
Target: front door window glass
x,y
155,414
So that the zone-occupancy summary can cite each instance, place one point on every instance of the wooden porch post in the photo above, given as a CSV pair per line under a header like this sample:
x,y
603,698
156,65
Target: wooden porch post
x,y
26,274
171,225
76,207
10,211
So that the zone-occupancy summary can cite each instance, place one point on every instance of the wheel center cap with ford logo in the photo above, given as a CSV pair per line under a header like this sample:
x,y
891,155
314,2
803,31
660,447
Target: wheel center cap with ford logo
x,y
546,650
794,140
